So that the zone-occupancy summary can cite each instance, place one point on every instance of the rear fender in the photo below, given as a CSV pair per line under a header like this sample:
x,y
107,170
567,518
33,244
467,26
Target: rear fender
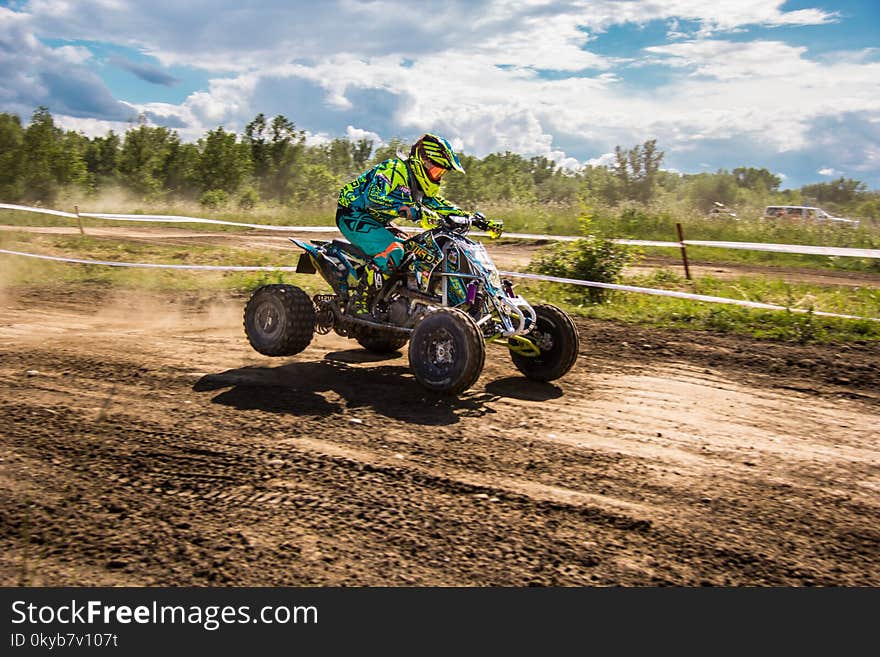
x,y
333,264
306,246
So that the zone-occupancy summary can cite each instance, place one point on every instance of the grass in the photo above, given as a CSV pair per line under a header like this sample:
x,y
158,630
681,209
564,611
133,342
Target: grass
x,y
720,256
660,225
267,215
623,222
18,270
538,219
553,221
636,308
672,313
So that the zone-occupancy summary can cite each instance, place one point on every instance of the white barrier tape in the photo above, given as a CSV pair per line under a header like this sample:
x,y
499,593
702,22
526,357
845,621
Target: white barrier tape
x,y
574,238
802,249
669,245
529,236
791,248
170,219
679,295
25,208
537,277
147,265
167,218
174,219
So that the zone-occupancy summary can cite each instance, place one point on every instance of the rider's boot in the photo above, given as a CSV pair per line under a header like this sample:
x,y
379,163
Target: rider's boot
x,y
372,280
360,302
362,295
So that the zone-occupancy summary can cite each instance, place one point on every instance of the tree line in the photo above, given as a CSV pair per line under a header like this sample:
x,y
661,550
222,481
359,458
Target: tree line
x,y
270,162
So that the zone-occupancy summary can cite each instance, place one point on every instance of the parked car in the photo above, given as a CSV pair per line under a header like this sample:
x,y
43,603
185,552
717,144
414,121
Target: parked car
x,y
721,211
806,213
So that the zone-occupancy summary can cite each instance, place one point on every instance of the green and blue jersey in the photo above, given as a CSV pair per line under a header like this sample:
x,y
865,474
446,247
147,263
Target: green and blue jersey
x,y
387,191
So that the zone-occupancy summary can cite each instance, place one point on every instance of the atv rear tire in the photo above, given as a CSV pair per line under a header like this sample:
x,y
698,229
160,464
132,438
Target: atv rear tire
x,y
557,338
380,342
279,320
447,351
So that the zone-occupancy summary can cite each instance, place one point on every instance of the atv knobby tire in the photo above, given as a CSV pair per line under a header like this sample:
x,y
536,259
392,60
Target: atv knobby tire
x,y
279,320
557,338
380,342
447,351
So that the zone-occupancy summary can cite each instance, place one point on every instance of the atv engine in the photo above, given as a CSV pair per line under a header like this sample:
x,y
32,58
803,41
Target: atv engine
x,y
398,311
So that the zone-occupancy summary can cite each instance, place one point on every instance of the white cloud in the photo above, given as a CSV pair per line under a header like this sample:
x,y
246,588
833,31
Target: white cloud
x,y
92,127
728,60
553,43
356,134
604,160
471,72
226,98
34,74
565,162
73,54
828,171
241,36
317,139
731,15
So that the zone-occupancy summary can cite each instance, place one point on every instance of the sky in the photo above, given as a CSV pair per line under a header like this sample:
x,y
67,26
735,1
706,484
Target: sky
x,y
792,86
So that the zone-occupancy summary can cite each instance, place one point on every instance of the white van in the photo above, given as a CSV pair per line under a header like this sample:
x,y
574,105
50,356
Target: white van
x,y
806,213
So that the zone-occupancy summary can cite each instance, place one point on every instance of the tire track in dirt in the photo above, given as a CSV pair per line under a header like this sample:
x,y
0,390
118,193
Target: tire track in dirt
x,y
163,451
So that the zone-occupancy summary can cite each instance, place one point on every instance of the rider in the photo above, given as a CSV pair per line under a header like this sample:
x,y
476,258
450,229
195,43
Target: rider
x,y
399,187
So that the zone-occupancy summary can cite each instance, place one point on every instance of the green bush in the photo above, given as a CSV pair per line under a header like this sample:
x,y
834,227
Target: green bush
x,y
214,198
248,199
591,258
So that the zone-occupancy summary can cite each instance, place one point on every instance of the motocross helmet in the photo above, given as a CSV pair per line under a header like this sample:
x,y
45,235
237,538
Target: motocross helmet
x,y
429,158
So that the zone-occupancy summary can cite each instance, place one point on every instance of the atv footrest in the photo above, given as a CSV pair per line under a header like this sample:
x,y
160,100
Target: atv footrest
x,y
347,321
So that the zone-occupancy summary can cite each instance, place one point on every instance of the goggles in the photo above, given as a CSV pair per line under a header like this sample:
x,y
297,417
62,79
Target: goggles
x,y
433,170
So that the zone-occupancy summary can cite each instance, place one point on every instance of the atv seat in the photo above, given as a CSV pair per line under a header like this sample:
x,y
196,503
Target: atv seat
x,y
351,249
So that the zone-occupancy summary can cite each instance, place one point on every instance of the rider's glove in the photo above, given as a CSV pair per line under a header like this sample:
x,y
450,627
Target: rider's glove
x,y
429,218
411,212
493,227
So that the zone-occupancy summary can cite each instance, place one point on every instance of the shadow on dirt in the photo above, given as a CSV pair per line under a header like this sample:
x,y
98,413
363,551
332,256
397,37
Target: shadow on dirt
x,y
360,356
389,390
518,387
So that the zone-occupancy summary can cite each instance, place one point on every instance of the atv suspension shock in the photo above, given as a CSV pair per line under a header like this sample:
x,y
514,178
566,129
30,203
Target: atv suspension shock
x,y
325,319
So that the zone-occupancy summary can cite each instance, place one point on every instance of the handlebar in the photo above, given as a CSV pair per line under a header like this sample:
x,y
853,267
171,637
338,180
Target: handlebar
x,y
460,223
494,227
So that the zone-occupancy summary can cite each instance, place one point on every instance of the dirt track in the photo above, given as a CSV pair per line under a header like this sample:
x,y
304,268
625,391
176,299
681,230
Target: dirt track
x,y
144,443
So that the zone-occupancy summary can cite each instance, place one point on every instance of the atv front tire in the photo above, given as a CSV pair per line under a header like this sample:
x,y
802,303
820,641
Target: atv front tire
x,y
557,338
279,320
447,351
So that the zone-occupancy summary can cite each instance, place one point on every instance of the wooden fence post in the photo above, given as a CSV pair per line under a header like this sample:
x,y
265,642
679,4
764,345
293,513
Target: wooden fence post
x,y
684,255
79,220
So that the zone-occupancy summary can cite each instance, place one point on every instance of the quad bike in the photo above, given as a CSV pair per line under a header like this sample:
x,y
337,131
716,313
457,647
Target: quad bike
x,y
445,298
